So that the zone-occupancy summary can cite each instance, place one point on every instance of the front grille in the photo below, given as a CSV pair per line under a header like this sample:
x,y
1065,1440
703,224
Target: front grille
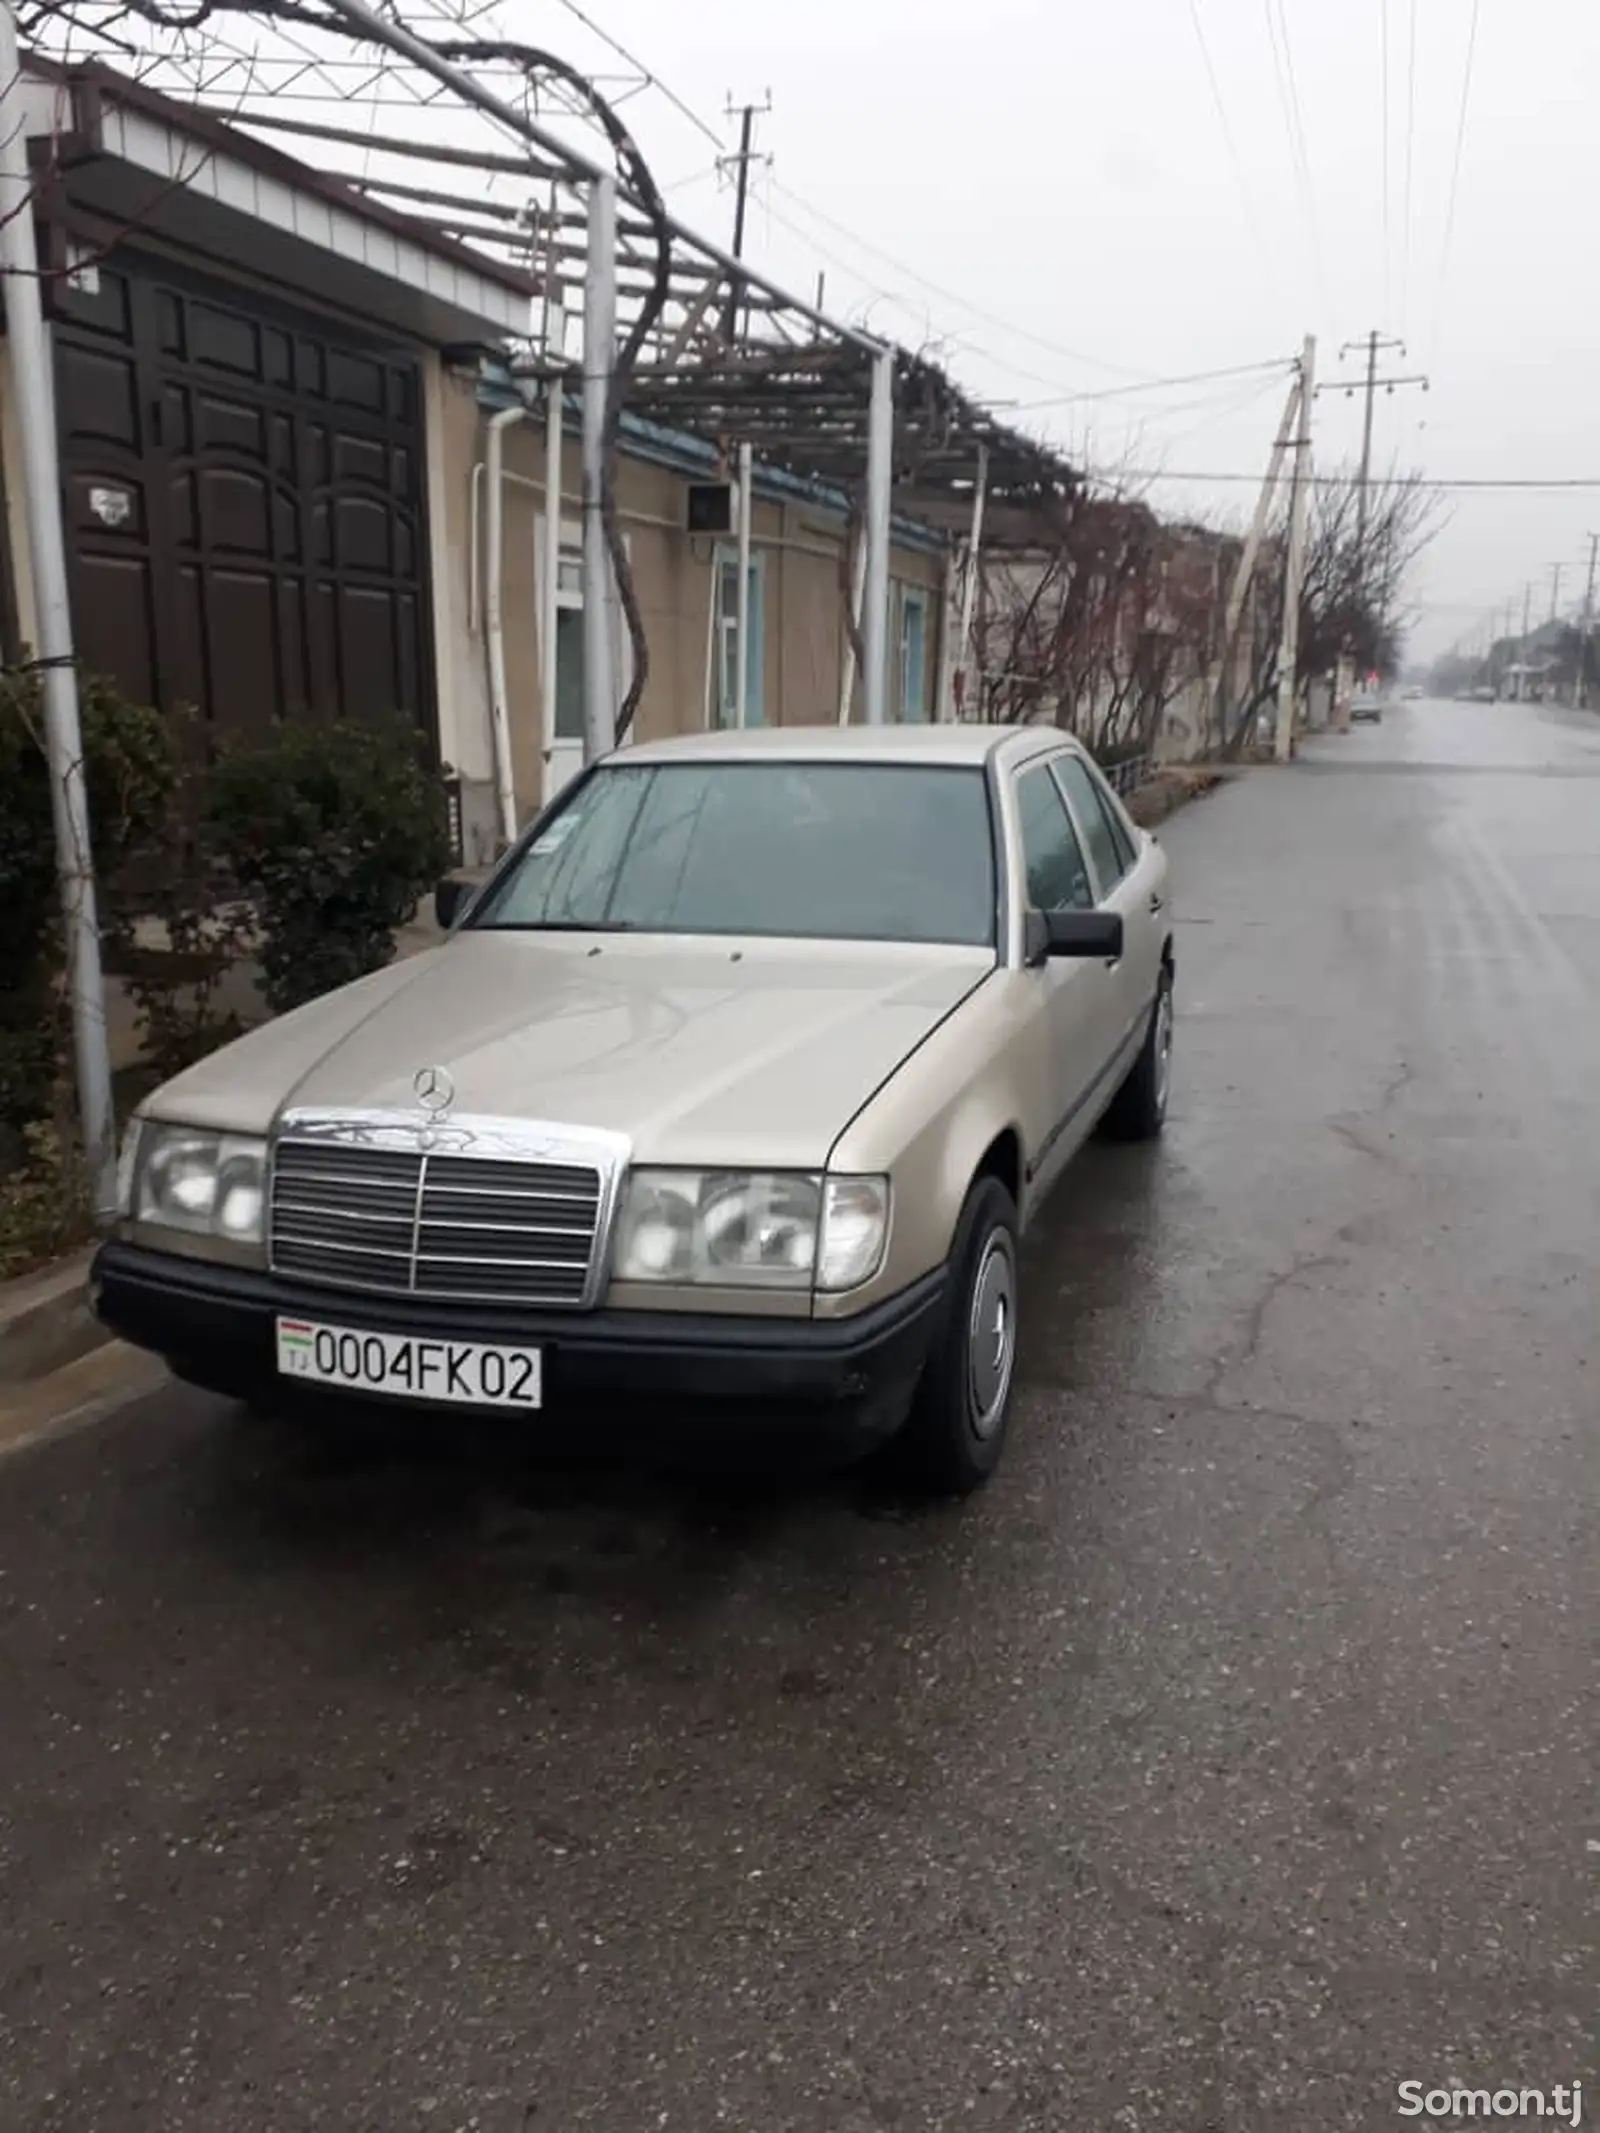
x,y
423,1224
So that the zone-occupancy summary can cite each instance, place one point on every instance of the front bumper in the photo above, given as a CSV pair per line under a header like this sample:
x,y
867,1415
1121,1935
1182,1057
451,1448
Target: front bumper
x,y
216,1326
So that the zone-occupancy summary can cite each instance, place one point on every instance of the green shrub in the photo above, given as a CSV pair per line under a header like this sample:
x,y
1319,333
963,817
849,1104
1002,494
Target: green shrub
x,y
44,1207
333,833
130,771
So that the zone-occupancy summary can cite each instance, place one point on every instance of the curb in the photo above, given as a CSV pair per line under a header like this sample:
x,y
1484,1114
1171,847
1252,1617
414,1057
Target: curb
x,y
46,1322
1165,793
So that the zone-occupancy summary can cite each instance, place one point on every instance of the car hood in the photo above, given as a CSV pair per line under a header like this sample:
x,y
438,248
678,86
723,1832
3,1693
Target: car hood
x,y
700,1051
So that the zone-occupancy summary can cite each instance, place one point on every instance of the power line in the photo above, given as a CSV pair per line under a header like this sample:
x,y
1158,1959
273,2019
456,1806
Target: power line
x,y
1150,385
1070,355
1383,72
1528,483
1411,129
1232,146
1455,174
1294,128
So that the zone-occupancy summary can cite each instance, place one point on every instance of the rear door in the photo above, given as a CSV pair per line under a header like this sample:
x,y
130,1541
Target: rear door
x,y
1130,879
1078,1003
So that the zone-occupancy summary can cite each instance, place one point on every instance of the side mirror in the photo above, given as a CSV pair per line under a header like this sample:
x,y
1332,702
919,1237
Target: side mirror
x,y
450,900
1084,935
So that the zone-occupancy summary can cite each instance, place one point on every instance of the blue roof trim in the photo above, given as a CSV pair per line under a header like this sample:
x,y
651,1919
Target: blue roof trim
x,y
693,457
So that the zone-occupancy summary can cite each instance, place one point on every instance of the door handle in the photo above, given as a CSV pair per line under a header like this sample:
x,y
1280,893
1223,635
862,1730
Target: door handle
x,y
1155,904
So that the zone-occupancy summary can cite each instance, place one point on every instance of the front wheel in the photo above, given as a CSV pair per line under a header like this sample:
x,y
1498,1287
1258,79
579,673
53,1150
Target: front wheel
x,y
1138,1111
952,1441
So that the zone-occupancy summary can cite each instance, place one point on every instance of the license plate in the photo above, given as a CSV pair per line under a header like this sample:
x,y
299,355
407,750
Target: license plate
x,y
405,1367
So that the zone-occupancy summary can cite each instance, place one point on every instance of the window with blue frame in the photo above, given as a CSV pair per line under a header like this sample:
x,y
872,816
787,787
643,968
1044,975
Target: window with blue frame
x,y
725,642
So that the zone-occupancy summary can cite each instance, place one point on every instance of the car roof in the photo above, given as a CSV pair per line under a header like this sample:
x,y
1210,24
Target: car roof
x,y
942,744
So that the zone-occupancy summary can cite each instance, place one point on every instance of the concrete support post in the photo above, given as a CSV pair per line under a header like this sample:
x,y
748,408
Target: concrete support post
x,y
741,635
41,487
1294,568
875,584
599,360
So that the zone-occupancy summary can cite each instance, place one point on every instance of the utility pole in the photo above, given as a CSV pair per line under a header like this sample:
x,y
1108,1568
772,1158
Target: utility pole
x,y
1217,694
1375,345
29,352
1294,561
1555,587
1584,628
740,164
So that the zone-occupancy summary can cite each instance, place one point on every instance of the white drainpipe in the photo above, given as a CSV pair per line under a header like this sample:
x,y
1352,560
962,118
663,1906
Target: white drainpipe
x,y
494,619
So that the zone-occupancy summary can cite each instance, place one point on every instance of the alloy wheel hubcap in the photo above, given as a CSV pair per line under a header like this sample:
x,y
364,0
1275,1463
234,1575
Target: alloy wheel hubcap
x,y
991,1334
1163,1061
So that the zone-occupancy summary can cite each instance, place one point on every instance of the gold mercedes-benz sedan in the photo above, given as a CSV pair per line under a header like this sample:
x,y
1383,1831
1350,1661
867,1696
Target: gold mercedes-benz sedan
x,y
731,1091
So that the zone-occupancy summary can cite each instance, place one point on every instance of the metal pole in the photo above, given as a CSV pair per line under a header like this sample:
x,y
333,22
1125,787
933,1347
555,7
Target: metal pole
x,y
741,635
943,688
875,586
550,616
599,358
730,312
969,588
847,672
1584,628
1366,456
1289,648
41,487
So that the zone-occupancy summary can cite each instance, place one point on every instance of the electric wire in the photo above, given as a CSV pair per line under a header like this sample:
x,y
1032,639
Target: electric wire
x,y
1529,484
1383,98
1269,258
1455,177
1294,128
1410,155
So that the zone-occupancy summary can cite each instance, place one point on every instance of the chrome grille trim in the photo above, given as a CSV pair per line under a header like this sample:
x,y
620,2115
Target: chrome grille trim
x,y
481,1210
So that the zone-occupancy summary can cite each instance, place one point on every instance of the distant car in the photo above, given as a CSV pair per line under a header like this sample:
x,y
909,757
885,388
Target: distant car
x,y
736,1083
1413,695
1481,696
1366,706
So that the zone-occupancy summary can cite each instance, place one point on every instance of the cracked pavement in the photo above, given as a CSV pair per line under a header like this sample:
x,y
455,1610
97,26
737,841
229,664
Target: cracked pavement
x,y
1226,1764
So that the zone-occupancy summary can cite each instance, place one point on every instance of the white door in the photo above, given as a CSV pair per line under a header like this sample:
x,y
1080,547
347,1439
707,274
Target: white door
x,y
563,735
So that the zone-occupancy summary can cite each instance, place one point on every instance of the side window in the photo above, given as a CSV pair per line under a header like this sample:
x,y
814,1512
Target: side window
x,y
1110,851
1111,808
1058,880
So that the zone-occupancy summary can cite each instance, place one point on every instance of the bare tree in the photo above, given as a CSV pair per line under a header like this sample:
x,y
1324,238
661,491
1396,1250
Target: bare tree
x,y
1351,593
1099,632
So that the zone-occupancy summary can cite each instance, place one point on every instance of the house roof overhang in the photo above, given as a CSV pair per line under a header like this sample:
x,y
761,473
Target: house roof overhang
x,y
115,157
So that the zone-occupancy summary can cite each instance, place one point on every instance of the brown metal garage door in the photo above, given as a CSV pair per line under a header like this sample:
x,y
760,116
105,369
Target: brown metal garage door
x,y
244,498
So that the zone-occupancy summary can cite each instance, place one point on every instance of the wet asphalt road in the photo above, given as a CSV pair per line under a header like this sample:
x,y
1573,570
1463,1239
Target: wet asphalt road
x,y
1225,1765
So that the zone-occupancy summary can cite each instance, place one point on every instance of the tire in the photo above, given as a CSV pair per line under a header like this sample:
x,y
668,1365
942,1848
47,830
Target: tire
x,y
1138,1111
953,1438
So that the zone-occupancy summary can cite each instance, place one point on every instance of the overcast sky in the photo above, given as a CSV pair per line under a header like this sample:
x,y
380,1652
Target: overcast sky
x,y
1062,174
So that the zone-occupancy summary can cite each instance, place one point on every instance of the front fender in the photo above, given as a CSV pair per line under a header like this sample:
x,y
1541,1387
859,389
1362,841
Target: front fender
x,y
979,1076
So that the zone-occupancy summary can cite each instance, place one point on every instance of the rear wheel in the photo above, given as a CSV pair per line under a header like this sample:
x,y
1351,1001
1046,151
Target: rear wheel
x,y
953,1439
1138,1111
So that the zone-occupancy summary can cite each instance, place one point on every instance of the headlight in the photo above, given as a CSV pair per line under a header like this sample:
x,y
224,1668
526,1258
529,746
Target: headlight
x,y
751,1229
208,1184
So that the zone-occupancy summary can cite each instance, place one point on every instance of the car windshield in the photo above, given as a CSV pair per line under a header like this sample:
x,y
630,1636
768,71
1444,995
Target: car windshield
x,y
799,850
